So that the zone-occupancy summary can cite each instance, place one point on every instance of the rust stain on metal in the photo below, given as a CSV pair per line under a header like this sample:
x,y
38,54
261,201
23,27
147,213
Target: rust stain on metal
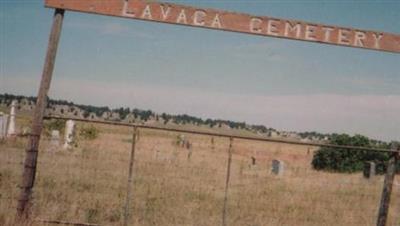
x,y
235,22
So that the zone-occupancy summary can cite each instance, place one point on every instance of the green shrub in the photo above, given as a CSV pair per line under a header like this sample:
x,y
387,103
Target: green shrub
x,y
349,161
89,133
54,124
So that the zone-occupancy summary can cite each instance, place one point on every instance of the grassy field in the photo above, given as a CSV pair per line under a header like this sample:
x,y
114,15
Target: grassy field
x,y
89,182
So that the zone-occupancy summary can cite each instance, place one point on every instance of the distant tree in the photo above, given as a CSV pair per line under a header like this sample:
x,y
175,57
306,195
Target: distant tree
x,y
349,161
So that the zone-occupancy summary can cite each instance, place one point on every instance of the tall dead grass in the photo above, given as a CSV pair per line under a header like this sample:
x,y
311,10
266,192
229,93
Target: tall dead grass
x,y
88,184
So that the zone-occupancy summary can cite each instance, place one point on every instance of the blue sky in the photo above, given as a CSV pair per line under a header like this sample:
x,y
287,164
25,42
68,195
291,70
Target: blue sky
x,y
284,84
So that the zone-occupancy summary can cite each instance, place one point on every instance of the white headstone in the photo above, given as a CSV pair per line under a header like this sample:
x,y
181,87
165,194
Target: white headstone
x,y
69,134
3,125
278,167
369,169
11,127
55,137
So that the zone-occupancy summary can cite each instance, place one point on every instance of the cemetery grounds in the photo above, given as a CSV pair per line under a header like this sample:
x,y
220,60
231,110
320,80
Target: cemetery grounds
x,y
89,183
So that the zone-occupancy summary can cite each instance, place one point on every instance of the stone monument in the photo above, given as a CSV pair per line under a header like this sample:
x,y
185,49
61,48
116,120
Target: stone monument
x,y
3,125
69,134
11,126
278,167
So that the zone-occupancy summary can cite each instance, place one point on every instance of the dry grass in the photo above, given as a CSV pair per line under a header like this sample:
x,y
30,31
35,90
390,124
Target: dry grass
x,y
88,184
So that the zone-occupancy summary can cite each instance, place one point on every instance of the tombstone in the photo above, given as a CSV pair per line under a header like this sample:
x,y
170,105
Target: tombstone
x,y
69,134
11,126
55,138
369,170
3,125
278,167
188,145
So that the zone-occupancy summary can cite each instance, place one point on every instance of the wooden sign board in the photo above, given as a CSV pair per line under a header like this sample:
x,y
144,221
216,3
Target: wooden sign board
x,y
235,22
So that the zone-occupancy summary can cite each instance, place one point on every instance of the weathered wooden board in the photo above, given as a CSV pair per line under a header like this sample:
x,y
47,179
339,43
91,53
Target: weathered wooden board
x,y
235,22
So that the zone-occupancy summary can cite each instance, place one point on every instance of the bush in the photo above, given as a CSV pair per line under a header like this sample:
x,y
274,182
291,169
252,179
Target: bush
x,y
349,161
54,124
89,133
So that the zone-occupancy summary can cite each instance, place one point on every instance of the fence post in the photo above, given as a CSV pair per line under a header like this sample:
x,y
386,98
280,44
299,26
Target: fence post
x,y
29,173
130,176
228,175
387,186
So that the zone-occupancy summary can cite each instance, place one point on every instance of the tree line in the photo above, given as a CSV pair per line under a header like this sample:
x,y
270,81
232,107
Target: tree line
x,y
329,159
144,115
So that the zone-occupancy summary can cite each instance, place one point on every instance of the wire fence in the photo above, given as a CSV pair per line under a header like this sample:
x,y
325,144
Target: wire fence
x,y
179,184
254,138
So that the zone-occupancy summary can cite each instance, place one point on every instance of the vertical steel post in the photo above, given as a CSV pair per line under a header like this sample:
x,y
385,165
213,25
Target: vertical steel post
x,y
130,176
228,175
387,187
28,177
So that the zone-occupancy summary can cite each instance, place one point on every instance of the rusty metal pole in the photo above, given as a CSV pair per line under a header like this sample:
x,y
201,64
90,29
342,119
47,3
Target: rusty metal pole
x,y
387,187
228,175
28,177
130,176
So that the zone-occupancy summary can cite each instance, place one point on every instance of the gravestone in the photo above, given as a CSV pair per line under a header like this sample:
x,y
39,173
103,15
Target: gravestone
x,y
278,167
55,138
369,170
188,145
69,134
3,125
11,126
